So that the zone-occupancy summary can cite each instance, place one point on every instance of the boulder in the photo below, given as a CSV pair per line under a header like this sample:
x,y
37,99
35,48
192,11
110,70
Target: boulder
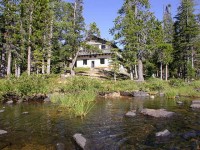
x,y
3,132
158,113
131,113
2,110
140,94
163,133
60,146
113,95
80,140
124,93
196,102
195,106
9,102
47,100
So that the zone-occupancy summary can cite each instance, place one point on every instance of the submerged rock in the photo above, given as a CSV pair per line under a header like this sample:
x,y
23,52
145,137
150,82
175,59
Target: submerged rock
x,y
3,132
190,134
60,146
25,113
158,113
131,113
179,102
163,133
152,96
2,110
195,104
80,140
140,94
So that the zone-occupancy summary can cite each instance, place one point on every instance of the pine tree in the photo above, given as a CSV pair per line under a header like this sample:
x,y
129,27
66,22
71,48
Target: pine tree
x,y
186,31
93,30
133,28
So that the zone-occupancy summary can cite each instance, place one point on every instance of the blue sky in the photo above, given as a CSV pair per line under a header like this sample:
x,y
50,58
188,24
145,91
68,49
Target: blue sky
x,y
103,12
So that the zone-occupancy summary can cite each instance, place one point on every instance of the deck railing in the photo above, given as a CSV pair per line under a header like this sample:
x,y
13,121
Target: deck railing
x,y
85,52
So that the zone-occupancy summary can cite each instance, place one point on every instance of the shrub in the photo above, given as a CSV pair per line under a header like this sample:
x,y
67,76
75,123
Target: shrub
x,y
177,82
155,84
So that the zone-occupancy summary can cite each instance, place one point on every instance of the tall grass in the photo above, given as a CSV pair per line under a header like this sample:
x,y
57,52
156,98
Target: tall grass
x,y
79,103
171,93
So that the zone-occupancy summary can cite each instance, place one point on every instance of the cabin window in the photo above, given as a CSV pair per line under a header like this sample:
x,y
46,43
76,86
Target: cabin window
x,y
102,60
103,46
84,61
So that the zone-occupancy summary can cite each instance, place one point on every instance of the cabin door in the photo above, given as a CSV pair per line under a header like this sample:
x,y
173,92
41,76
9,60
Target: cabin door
x,y
92,64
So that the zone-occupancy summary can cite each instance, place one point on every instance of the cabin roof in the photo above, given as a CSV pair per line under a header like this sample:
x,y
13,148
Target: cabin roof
x,y
96,38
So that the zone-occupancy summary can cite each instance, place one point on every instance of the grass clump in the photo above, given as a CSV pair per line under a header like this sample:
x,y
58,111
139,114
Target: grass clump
x,y
79,103
171,93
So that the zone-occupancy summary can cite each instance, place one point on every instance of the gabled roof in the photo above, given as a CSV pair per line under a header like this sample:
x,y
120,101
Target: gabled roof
x,y
101,40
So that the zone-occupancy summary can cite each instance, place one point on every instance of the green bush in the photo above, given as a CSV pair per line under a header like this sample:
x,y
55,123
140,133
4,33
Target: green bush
x,y
177,82
81,83
155,84
33,84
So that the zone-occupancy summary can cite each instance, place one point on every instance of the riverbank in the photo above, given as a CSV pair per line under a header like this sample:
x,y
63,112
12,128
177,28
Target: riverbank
x,y
78,93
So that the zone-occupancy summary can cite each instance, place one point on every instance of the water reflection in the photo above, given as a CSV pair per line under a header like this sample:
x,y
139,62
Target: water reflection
x,y
105,126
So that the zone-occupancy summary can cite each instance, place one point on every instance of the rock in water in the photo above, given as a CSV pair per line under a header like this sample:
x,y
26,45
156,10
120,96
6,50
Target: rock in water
x,y
9,102
158,113
47,100
25,113
80,140
195,104
140,94
60,146
179,102
131,113
163,133
3,132
2,111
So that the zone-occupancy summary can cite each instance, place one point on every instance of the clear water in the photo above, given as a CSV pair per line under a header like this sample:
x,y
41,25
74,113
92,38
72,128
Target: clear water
x,y
105,126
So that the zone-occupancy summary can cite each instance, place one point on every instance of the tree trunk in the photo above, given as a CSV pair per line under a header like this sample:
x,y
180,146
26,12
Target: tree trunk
x,y
161,71
29,41
192,59
166,72
140,70
9,62
136,72
17,70
131,74
49,47
72,64
115,77
43,66
3,62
